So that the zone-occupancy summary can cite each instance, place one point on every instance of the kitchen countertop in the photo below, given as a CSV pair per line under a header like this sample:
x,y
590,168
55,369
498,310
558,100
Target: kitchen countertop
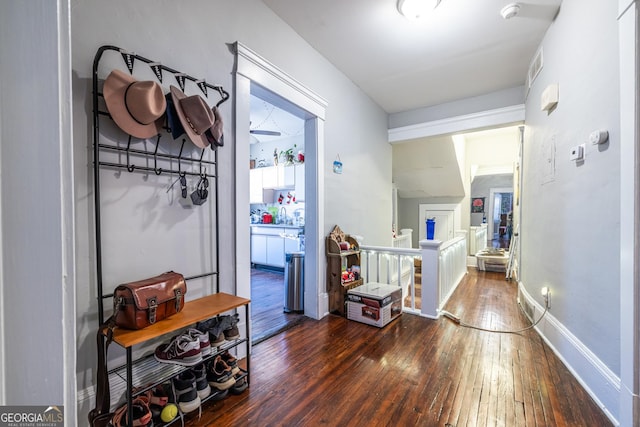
x,y
277,225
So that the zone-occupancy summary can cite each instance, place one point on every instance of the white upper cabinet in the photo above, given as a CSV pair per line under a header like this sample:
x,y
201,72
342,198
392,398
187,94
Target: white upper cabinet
x,y
299,182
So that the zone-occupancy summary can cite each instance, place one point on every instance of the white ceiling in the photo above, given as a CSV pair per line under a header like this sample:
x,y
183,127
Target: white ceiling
x,y
463,49
266,115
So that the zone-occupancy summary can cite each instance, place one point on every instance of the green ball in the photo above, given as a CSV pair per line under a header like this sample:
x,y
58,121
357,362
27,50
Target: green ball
x,y
169,412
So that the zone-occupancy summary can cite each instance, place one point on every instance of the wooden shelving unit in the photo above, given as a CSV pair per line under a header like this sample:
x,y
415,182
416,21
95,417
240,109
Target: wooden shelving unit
x,y
146,372
193,312
337,258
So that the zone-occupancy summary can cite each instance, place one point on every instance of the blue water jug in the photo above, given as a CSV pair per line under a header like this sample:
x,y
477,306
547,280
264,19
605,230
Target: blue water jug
x,y
431,228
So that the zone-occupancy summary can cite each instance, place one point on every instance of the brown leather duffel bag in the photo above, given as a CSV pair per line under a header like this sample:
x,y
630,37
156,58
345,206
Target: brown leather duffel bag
x,y
145,302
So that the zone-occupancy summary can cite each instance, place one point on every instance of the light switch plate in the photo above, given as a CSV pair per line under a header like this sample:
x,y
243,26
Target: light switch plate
x,y
577,152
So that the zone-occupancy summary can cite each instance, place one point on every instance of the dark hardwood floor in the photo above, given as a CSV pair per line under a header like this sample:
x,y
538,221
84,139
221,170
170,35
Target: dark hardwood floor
x,y
267,302
413,372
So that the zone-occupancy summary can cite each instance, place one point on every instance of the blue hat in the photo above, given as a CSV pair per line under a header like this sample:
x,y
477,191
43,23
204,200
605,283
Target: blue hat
x,y
173,122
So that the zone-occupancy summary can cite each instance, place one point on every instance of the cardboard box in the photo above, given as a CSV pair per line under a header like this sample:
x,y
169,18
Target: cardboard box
x,y
375,304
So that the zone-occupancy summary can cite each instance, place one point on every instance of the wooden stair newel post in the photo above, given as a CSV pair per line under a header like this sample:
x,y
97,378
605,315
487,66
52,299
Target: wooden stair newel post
x,y
430,277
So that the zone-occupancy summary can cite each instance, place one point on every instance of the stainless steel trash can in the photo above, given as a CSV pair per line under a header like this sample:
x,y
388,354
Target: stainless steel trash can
x,y
294,282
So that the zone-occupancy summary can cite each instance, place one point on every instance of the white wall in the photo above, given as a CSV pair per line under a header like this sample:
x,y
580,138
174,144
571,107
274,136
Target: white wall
x,y
570,229
37,277
192,36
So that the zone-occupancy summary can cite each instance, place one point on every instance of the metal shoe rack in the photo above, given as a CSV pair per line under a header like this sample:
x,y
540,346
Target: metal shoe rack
x,y
146,373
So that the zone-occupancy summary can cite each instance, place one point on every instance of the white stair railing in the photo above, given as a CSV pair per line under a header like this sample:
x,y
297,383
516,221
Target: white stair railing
x,y
443,267
477,239
453,267
393,266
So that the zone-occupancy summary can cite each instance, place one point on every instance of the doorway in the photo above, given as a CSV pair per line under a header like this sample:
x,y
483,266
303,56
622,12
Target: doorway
x,y
447,217
277,206
500,220
252,69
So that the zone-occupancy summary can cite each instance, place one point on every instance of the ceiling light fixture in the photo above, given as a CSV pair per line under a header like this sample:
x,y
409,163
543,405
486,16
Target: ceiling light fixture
x,y
414,9
510,10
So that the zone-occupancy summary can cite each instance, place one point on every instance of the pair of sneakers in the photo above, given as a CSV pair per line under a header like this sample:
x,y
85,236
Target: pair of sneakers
x,y
147,407
219,374
193,386
220,329
186,349
190,388
224,373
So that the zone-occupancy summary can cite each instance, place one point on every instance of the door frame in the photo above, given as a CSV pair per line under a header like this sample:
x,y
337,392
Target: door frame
x,y
492,194
629,25
455,207
251,67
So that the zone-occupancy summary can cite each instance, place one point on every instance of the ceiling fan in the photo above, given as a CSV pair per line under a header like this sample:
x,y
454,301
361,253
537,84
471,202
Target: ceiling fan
x,y
252,132
264,132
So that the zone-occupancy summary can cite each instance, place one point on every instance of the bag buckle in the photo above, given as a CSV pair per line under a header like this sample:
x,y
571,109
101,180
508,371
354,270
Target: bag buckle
x,y
178,293
118,302
153,304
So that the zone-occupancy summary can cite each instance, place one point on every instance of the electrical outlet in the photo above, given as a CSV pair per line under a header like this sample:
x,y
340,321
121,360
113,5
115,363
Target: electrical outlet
x,y
546,294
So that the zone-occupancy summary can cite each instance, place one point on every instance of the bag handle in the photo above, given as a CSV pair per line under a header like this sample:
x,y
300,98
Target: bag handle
x,y
100,415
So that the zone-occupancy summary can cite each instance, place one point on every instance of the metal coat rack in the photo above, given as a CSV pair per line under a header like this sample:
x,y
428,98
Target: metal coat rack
x,y
207,168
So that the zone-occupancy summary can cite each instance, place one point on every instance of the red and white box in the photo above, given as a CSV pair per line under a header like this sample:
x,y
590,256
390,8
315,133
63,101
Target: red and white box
x,y
375,304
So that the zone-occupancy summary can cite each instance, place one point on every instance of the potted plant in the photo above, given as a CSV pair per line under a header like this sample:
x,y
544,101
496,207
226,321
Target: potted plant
x,y
287,155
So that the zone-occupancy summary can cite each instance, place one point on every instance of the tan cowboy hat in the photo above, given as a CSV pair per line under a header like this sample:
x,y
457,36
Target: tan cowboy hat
x,y
137,107
214,134
194,114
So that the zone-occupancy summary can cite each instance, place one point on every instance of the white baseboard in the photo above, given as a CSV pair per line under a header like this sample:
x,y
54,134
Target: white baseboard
x,y
323,302
596,378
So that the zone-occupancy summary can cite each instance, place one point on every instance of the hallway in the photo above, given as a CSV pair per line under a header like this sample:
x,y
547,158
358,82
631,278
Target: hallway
x,y
414,371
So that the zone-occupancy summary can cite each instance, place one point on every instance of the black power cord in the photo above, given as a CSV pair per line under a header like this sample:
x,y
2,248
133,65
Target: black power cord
x,y
455,319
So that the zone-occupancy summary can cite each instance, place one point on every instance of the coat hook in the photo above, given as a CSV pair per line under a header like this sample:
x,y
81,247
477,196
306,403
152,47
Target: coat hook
x,y
201,157
179,159
130,167
223,93
156,169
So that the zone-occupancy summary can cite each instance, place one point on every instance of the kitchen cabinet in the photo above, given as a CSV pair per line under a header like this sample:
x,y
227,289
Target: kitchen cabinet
x,y
299,182
287,176
291,245
258,249
280,176
257,192
269,246
271,177
275,251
